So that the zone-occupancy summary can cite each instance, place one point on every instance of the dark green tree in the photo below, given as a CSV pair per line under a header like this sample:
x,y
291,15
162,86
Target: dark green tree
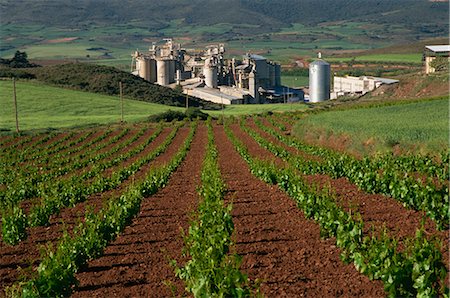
x,y
20,60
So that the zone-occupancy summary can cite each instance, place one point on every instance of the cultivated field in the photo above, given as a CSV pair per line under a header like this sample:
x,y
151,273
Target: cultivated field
x,y
260,210
285,45
413,58
345,198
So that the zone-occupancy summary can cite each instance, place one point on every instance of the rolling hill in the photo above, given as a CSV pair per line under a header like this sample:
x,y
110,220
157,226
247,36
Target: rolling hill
x,y
102,31
105,80
423,17
43,107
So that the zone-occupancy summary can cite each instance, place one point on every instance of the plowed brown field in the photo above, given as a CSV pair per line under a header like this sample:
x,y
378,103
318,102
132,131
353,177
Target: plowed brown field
x,y
280,247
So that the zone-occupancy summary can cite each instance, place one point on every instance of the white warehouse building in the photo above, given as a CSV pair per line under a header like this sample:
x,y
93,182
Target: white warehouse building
x,y
357,85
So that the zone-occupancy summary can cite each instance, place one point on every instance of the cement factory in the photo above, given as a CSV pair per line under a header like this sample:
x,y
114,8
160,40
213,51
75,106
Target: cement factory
x,y
206,74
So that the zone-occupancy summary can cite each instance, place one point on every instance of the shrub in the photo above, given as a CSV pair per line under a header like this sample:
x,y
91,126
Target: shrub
x,y
168,116
6,72
194,113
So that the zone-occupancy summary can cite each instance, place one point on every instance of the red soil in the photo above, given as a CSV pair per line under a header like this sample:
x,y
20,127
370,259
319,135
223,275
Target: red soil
x,y
12,141
26,253
377,211
136,264
279,245
61,40
275,141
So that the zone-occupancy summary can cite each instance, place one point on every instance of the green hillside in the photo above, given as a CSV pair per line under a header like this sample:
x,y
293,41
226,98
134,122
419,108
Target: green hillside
x,y
42,107
105,80
423,124
263,13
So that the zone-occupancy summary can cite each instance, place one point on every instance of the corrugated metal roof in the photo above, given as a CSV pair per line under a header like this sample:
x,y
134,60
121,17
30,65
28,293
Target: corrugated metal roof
x,y
386,81
439,48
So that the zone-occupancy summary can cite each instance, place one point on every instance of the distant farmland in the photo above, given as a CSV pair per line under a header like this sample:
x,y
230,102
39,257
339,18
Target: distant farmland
x,y
413,58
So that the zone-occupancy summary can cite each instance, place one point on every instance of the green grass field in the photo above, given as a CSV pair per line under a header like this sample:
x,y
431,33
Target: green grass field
x,y
421,124
42,107
415,58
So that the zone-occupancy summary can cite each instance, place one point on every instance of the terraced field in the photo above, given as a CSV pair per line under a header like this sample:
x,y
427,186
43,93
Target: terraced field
x,y
210,209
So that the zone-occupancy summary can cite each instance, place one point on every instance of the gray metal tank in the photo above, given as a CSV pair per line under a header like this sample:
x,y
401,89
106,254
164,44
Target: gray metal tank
x,y
163,68
319,81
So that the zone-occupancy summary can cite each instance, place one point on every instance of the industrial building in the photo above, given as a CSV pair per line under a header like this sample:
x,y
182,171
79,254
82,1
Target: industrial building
x,y
354,86
208,75
160,64
320,83
432,52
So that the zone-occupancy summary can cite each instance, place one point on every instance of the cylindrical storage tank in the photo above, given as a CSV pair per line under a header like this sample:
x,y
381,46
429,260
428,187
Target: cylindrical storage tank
x,y
162,67
319,81
143,67
172,71
277,75
178,77
152,66
210,73
272,75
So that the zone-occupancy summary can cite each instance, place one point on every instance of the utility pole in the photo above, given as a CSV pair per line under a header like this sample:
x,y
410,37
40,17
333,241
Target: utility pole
x,y
15,105
121,100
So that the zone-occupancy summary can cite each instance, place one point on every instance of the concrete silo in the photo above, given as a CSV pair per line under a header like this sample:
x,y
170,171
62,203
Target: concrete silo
x,y
152,67
319,81
210,72
172,71
143,68
163,70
